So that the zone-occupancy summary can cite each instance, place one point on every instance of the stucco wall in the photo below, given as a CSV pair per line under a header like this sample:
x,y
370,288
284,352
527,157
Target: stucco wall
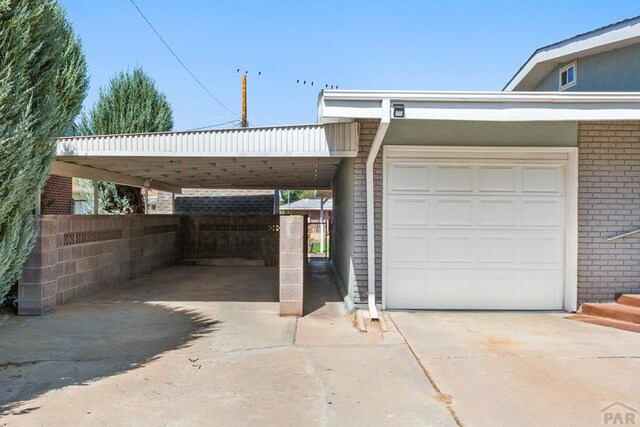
x,y
342,226
478,133
613,71
608,205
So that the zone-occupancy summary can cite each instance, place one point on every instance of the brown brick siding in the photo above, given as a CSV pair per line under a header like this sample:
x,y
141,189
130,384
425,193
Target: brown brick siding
x,y
368,130
608,205
57,196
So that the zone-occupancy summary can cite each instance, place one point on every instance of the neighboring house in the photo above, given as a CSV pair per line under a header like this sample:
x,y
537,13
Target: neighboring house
x,y
441,200
310,207
602,60
202,201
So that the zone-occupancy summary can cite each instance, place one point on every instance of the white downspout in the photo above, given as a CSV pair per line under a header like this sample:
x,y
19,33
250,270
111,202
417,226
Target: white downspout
x,y
371,244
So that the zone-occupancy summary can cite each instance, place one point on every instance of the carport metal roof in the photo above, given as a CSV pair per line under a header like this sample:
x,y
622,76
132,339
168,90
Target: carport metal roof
x,y
303,156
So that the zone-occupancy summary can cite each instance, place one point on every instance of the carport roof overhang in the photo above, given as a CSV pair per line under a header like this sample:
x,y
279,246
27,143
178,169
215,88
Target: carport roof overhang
x,y
303,156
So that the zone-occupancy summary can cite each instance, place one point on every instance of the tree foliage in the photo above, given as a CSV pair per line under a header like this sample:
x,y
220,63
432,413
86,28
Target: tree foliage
x,y
131,104
42,85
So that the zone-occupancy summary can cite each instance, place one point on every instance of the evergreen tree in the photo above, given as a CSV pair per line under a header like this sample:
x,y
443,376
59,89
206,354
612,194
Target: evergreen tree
x,y
42,85
131,104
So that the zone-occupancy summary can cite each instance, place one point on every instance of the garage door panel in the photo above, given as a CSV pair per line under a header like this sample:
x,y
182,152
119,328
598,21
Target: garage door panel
x,y
543,213
409,248
410,286
474,236
409,177
542,250
497,213
449,288
498,249
497,178
453,178
542,290
412,211
453,249
542,180
457,212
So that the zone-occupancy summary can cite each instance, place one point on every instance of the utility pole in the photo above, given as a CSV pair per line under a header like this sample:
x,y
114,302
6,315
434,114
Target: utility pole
x,y
244,100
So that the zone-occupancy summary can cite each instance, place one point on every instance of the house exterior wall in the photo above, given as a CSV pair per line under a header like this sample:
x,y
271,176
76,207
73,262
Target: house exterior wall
x,y
608,205
57,196
368,129
612,71
342,256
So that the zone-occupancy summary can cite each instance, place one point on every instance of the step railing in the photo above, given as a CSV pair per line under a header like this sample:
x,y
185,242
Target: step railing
x,y
620,236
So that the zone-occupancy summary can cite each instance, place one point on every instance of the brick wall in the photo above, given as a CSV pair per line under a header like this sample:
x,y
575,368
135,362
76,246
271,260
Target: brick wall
x,y
608,205
56,197
368,130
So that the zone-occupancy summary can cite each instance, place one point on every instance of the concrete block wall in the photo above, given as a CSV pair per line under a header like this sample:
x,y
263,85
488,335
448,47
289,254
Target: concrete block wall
x,y
57,196
250,237
368,129
292,264
608,205
77,255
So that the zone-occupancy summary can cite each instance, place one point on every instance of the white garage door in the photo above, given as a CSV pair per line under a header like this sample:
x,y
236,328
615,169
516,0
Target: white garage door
x,y
474,234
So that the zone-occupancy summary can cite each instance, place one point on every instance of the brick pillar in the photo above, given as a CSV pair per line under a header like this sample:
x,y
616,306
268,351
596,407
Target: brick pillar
x,y
38,285
292,261
57,196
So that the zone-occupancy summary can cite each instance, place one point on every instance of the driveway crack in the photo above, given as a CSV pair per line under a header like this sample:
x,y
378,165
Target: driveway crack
x,y
444,398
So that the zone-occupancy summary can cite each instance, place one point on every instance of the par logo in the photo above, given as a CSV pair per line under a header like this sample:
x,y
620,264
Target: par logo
x,y
619,413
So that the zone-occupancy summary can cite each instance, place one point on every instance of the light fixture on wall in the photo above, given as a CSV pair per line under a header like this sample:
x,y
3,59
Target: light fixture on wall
x,y
398,111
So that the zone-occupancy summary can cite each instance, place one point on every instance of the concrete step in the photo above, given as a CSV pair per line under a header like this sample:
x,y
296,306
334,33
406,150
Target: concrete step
x,y
602,321
614,311
632,300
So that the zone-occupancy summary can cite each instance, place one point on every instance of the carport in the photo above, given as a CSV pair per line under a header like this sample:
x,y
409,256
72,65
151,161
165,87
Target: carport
x,y
79,255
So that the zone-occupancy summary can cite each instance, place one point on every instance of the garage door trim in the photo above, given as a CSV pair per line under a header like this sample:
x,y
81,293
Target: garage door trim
x,y
561,156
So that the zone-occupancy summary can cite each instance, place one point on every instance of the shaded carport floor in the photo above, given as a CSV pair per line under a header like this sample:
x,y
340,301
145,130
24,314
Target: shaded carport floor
x,y
205,345
524,368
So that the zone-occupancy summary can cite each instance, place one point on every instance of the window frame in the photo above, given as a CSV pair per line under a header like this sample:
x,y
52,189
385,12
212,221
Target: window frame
x,y
566,68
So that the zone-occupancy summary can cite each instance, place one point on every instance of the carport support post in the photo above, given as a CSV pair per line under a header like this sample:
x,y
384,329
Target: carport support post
x,y
96,196
292,249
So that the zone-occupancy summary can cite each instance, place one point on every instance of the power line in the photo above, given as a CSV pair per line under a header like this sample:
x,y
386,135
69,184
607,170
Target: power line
x,y
213,126
182,63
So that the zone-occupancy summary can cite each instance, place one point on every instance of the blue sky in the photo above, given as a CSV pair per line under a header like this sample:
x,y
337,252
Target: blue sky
x,y
420,45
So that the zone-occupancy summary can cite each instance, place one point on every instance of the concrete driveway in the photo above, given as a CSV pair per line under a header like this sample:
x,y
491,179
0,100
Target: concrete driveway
x,y
525,368
205,346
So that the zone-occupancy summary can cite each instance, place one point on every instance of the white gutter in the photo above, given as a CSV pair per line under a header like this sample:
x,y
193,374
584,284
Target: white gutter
x,y
371,244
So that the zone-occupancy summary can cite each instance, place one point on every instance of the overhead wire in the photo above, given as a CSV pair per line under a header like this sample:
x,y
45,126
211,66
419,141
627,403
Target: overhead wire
x,y
182,63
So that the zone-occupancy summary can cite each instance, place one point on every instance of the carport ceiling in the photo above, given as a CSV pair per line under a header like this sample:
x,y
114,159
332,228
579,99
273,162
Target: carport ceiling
x,y
283,157
220,172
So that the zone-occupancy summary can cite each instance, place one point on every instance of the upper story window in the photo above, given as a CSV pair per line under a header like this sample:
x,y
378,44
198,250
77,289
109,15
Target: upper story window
x,y
568,75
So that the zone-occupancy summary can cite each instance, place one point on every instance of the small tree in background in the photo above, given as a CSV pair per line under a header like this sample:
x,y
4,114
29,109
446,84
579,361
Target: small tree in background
x,y
42,85
131,104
